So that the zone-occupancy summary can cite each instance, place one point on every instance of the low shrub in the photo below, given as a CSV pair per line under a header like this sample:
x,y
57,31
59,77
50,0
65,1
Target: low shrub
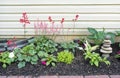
x,y
65,57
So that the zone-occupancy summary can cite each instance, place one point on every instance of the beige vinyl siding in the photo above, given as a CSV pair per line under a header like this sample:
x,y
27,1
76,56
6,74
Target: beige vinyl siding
x,y
92,13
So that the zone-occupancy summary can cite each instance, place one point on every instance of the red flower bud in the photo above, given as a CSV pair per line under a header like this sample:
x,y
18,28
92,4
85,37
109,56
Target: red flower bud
x,y
62,20
50,19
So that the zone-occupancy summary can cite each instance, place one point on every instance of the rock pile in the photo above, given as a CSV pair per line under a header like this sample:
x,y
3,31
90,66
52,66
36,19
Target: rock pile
x,y
106,47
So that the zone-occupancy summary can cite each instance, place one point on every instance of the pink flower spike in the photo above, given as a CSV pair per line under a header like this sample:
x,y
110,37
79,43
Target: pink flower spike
x,y
43,63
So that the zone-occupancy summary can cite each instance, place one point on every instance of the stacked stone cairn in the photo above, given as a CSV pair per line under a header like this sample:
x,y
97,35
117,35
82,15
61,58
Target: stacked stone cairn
x,y
106,47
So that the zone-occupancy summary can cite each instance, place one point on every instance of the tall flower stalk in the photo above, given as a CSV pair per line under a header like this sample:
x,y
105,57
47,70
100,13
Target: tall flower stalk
x,y
25,21
74,21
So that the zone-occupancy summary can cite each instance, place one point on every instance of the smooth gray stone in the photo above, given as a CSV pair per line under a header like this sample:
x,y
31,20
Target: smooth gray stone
x,y
103,51
106,46
107,49
107,42
108,37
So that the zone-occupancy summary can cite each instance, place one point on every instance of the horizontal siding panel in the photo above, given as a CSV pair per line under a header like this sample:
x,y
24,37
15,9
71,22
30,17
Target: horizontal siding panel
x,y
61,2
60,16
5,9
108,25
62,32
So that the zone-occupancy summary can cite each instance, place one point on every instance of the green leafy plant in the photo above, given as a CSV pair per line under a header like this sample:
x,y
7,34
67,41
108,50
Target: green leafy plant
x,y
99,36
49,59
45,44
69,46
27,54
5,59
118,55
94,58
65,57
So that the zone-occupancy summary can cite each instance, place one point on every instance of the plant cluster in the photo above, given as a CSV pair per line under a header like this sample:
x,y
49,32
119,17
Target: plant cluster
x,y
49,59
94,58
6,59
69,46
99,36
65,57
27,54
44,44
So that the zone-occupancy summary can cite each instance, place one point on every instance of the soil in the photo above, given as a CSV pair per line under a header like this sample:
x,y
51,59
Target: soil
x,y
78,67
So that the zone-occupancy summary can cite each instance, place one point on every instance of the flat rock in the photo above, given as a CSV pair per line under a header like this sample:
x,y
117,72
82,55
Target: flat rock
x,y
107,42
103,51
107,49
106,45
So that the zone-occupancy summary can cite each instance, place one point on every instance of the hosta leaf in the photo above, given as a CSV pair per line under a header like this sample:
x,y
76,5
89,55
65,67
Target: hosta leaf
x,y
92,30
48,63
96,63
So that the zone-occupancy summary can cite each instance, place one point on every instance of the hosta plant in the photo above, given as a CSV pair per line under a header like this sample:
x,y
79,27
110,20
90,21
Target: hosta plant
x,y
6,58
65,57
99,36
27,54
94,58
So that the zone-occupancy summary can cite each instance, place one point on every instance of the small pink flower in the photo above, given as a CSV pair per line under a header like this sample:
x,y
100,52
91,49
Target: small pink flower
x,y
43,63
24,19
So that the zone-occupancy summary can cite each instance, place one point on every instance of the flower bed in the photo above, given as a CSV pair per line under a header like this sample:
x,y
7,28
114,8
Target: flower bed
x,y
45,57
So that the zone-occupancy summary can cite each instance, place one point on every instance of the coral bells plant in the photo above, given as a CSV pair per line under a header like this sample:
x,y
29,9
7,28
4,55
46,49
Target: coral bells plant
x,y
48,28
24,20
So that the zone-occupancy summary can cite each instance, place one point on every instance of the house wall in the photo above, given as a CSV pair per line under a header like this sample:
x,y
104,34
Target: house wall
x,y
92,13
